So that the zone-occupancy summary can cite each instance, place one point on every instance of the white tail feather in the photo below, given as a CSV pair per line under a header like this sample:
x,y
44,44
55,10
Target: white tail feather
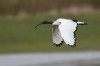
x,y
81,23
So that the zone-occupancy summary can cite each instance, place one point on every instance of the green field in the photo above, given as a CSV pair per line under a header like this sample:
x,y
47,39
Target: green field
x,y
17,34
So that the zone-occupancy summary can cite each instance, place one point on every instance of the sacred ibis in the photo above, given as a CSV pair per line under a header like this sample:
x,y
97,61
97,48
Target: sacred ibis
x,y
64,30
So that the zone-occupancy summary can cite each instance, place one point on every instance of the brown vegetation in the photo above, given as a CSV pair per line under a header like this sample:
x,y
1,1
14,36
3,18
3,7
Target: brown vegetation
x,y
14,7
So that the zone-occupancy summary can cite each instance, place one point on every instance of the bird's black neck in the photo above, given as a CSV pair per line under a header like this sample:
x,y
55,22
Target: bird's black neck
x,y
46,22
49,22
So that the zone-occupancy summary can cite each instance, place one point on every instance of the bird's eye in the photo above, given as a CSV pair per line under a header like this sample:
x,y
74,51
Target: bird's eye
x,y
59,22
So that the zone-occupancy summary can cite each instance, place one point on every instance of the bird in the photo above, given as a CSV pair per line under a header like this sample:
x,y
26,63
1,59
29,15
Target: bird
x,y
63,30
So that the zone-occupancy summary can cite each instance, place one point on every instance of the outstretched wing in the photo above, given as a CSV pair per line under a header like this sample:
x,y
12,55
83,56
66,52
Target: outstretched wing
x,y
67,30
57,39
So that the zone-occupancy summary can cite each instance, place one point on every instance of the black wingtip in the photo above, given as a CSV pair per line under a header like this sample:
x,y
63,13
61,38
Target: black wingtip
x,y
58,45
74,20
85,23
72,46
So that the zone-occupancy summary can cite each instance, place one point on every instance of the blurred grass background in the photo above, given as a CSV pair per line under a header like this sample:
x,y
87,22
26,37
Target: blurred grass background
x,y
18,18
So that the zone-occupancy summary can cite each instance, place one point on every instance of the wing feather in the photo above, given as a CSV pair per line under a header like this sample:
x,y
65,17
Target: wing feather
x,y
67,30
57,39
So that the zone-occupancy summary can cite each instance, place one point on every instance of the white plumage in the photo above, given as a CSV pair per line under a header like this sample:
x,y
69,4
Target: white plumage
x,y
64,30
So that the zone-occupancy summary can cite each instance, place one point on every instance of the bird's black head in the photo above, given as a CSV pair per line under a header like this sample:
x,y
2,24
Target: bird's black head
x,y
44,22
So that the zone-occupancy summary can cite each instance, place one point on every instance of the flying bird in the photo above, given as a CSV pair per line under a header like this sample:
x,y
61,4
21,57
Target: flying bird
x,y
64,30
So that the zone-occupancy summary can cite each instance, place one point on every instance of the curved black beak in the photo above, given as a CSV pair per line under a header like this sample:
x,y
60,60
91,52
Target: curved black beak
x,y
37,25
44,22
